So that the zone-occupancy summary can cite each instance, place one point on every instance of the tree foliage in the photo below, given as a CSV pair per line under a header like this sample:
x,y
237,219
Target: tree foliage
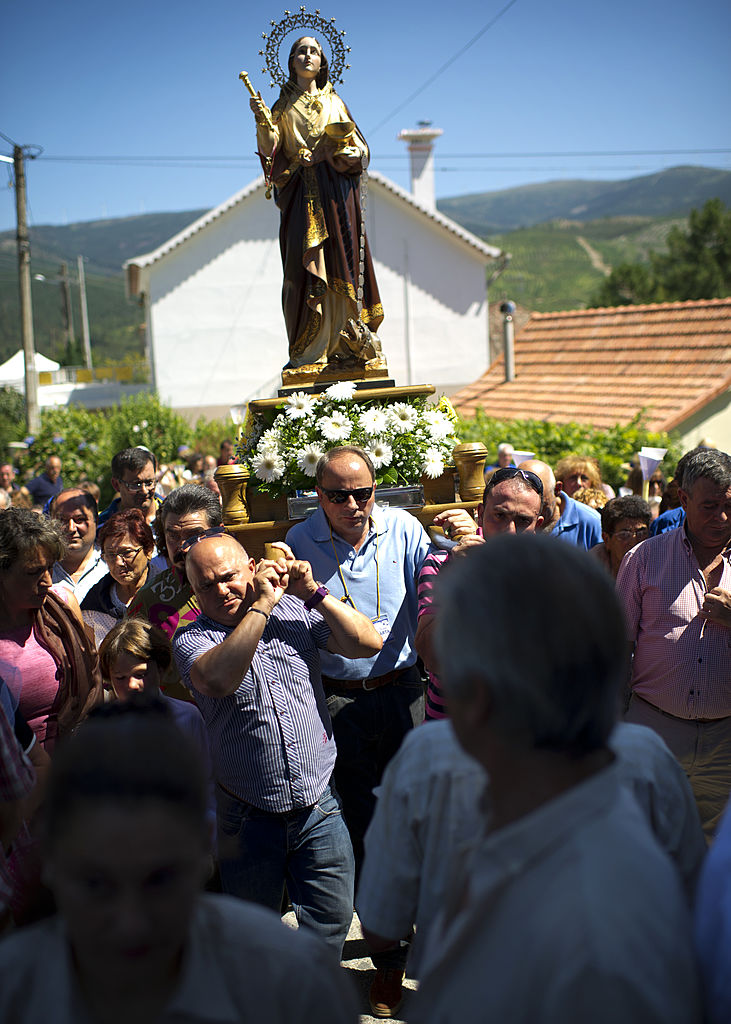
x,y
697,265
552,441
12,417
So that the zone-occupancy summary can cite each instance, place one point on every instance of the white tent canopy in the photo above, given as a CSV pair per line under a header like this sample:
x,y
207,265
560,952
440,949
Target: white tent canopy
x,y
13,370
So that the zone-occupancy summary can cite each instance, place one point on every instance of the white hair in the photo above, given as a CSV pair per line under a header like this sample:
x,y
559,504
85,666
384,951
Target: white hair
x,y
538,624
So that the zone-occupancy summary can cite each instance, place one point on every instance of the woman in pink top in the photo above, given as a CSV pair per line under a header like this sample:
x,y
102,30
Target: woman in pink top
x,y
46,658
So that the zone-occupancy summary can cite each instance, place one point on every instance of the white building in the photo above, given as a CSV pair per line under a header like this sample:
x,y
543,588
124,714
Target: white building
x,y
212,295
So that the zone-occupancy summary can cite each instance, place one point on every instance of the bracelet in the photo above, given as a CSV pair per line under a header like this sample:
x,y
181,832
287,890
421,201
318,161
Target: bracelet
x,y
259,612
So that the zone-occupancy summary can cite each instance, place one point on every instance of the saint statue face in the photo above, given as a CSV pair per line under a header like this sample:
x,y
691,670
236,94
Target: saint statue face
x,y
306,60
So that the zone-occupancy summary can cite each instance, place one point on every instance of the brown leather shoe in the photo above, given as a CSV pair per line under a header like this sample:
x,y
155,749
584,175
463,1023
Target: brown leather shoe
x,y
386,994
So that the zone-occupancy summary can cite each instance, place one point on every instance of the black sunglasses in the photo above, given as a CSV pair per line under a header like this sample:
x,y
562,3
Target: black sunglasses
x,y
510,473
340,497
215,531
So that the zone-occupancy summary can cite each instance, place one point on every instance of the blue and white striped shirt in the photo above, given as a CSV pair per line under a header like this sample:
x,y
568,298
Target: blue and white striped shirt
x,y
271,740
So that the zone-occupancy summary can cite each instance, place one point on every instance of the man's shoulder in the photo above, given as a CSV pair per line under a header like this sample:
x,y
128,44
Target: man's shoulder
x,y
433,749
584,513
397,526
312,528
108,511
166,583
668,520
656,550
291,972
202,631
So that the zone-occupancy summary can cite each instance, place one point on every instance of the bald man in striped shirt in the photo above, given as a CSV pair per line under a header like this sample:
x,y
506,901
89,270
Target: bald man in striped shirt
x,y
252,663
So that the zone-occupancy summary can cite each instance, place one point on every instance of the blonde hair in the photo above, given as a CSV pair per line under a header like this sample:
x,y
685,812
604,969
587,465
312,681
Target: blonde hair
x,y
579,464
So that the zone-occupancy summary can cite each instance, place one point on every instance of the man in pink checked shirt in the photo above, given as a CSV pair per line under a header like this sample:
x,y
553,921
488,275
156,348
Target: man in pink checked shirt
x,y
676,590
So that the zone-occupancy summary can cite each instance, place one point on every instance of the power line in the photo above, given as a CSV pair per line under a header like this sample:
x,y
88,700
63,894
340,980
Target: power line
x,y
443,68
203,160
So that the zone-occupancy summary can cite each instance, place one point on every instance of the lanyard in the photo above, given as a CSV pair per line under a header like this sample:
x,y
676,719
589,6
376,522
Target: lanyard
x,y
346,593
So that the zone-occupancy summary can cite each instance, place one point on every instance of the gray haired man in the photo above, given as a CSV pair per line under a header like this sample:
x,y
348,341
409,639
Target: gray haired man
x,y
567,909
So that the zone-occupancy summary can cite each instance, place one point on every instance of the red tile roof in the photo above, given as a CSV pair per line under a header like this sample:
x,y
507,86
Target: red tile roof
x,y
602,366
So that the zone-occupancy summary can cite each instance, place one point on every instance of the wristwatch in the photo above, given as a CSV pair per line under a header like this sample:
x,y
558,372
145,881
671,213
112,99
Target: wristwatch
x,y
319,595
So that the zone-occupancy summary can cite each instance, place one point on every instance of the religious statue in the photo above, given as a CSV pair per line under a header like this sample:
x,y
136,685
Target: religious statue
x,y
315,157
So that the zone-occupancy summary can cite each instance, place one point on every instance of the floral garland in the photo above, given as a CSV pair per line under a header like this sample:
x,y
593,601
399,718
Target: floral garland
x,y
406,440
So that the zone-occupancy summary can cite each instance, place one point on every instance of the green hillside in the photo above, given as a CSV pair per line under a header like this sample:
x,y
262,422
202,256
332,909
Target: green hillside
x,y
562,235
669,193
115,324
558,265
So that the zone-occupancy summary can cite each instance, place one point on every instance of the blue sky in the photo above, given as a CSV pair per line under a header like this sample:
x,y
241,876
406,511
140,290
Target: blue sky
x,y
642,81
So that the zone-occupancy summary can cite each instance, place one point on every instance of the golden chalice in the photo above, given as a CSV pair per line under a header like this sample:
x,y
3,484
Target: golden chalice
x,y
341,132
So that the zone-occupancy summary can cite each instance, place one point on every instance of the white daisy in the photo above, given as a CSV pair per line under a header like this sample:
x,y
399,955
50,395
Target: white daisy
x,y
402,417
373,421
336,427
308,457
268,442
433,464
438,425
299,406
343,391
381,453
268,466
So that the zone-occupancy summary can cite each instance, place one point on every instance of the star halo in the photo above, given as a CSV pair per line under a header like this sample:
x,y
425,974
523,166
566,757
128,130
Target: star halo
x,y
290,21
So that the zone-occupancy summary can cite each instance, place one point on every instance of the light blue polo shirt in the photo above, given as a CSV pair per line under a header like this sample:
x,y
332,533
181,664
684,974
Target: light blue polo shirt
x,y
579,524
397,545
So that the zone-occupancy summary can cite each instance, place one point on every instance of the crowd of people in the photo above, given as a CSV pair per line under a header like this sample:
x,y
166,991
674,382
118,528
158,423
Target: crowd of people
x,y
506,742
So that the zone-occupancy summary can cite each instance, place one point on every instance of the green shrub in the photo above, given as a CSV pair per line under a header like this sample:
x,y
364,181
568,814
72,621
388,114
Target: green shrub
x,y
551,441
143,420
12,419
78,437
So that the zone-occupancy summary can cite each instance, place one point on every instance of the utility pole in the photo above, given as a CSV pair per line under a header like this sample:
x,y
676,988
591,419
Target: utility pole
x,y
32,413
84,313
68,312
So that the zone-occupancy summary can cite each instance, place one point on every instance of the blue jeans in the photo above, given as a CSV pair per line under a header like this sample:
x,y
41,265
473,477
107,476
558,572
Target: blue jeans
x,y
369,726
308,848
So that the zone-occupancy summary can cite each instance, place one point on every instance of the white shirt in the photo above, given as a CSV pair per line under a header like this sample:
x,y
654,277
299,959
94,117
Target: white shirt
x,y
241,966
428,805
434,799
95,569
572,914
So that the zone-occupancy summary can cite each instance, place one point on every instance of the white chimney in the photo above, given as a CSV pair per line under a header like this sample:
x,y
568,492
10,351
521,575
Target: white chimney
x,y
421,153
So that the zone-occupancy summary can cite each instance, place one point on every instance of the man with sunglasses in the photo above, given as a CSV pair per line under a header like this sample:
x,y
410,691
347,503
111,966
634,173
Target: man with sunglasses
x,y
134,477
512,502
369,558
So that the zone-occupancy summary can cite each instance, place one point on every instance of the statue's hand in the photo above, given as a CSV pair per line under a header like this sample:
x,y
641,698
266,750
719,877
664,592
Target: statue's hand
x,y
261,110
305,155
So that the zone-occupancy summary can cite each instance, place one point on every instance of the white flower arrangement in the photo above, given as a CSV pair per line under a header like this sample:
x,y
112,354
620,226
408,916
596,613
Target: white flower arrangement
x,y
406,440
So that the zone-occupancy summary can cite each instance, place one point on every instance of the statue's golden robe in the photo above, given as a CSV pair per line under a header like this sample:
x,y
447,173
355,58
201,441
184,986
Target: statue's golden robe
x,y
320,229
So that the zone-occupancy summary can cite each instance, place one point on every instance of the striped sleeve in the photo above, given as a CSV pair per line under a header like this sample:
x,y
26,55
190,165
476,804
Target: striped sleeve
x,y
429,571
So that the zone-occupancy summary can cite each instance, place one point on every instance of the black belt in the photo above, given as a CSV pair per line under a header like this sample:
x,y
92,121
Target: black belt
x,y
372,683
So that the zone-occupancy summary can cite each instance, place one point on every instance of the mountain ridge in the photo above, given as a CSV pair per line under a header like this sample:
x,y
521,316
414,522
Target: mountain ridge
x,y
562,235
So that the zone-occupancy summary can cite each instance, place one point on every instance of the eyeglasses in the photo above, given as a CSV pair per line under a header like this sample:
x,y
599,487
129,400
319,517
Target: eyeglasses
x,y
215,531
339,497
138,485
127,557
510,473
641,531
